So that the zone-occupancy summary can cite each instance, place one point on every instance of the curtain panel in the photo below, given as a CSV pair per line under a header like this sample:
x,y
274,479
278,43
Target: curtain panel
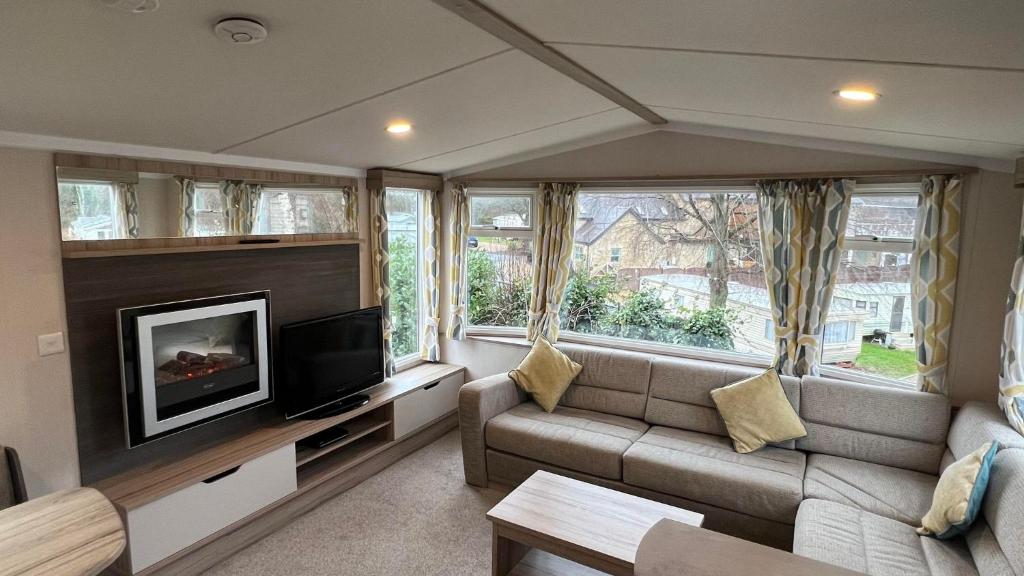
x,y
1011,366
431,243
241,205
351,209
128,209
379,265
186,207
935,259
801,224
458,237
553,245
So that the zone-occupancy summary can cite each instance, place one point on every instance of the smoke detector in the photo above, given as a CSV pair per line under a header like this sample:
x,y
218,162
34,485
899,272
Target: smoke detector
x,y
240,31
134,6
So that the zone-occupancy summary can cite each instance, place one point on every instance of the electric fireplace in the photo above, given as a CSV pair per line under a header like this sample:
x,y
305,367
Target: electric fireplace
x,y
186,363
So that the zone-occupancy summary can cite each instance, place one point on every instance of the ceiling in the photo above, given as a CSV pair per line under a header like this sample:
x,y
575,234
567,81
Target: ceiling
x,y
333,73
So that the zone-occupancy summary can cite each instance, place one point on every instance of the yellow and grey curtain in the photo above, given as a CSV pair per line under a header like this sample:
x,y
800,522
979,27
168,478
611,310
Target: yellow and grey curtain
x,y
458,237
431,244
351,209
379,265
552,248
241,205
802,225
936,249
186,207
128,209
1011,366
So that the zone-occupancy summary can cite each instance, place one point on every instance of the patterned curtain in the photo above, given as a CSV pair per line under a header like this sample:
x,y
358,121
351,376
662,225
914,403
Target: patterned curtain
x,y
802,225
241,204
431,243
379,257
1011,366
936,248
458,236
186,207
351,209
128,209
552,249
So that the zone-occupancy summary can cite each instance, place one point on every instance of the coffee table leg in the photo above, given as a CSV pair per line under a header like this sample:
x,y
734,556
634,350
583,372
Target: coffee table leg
x,y
505,553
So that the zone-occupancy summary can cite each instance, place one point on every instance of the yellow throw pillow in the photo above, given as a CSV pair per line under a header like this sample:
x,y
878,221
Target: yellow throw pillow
x,y
756,412
959,493
545,373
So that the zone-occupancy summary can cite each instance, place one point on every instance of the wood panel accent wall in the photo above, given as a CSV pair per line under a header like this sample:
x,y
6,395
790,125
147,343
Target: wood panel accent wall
x,y
199,171
381,177
304,282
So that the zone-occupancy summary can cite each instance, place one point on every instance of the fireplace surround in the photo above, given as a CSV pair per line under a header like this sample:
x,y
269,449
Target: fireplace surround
x,y
189,362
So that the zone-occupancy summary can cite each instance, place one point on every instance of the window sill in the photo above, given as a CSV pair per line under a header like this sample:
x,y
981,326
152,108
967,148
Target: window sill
x,y
517,337
408,362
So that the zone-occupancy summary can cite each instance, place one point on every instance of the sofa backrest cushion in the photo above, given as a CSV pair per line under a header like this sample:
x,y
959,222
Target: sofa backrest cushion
x,y
611,381
977,423
681,394
1003,506
889,426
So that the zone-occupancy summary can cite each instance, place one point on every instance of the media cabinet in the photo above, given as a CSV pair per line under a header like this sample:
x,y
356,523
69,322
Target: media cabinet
x,y
184,516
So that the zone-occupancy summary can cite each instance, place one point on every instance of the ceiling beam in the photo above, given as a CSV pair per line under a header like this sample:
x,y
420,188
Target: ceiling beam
x,y
497,25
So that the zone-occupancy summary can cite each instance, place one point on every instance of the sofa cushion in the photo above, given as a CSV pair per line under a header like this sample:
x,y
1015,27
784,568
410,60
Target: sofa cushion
x,y
988,556
704,468
581,440
888,426
757,412
895,493
959,494
545,373
681,393
1003,506
978,423
858,540
612,381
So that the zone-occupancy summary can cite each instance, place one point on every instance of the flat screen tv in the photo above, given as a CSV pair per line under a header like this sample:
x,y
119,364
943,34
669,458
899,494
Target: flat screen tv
x,y
326,364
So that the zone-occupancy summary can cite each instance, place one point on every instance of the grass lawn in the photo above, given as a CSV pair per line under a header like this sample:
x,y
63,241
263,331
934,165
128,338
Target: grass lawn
x,y
880,360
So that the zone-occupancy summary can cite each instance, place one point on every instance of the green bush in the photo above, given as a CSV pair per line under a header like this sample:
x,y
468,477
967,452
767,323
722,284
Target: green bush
x,y
585,305
402,275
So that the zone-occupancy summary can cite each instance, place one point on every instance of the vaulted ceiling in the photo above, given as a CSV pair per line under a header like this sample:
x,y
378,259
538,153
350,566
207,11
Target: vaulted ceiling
x,y
333,73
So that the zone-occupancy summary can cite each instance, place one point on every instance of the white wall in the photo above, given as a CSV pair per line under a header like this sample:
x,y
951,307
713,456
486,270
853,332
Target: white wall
x,y
36,410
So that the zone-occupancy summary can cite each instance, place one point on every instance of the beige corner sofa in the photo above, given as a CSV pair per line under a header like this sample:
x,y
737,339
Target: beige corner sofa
x,y
848,493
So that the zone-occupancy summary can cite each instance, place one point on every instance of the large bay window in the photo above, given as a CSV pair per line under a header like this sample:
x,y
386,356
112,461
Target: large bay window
x,y
500,257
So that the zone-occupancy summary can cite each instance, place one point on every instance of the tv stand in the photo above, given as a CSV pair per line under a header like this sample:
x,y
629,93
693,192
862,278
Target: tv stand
x,y
340,407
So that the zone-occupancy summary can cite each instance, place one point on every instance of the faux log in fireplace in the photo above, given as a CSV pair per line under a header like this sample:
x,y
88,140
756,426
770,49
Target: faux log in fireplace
x,y
186,363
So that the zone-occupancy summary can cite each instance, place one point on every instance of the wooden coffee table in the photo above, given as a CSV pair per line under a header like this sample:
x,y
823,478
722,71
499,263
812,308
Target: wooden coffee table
x,y
588,524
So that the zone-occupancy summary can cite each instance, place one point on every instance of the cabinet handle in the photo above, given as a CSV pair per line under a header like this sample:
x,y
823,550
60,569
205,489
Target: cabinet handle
x,y
429,386
222,475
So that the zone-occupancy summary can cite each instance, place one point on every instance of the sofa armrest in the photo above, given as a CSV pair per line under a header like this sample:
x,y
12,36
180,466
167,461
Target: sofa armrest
x,y
670,548
479,401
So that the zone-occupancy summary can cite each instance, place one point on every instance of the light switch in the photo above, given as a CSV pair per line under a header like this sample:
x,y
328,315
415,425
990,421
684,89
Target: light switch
x,y
51,343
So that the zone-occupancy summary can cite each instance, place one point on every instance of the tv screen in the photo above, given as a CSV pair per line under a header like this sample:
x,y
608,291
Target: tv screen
x,y
328,359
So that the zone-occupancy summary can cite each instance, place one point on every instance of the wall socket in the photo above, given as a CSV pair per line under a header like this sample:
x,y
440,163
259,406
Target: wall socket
x,y
50,344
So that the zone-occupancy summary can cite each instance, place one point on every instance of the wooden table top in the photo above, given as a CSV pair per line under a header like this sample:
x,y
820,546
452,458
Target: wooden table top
x,y
584,516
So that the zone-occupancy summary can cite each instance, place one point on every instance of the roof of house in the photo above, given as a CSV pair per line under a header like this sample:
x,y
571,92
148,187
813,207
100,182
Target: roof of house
x,y
598,213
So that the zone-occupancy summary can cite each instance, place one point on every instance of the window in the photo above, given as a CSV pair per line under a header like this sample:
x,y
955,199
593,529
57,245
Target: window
x,y
839,332
210,210
302,211
874,276
500,258
403,208
677,267
88,210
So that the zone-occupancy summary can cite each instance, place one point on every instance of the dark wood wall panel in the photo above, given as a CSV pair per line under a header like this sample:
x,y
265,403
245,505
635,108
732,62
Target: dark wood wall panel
x,y
304,283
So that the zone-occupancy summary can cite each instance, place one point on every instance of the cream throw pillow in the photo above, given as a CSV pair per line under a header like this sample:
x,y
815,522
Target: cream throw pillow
x,y
545,374
959,493
756,412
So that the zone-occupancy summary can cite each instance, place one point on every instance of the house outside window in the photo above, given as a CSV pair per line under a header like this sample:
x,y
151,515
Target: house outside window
x,y
88,210
499,257
404,211
616,255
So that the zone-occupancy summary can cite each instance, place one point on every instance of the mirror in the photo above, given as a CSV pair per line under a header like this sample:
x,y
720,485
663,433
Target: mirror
x,y
118,205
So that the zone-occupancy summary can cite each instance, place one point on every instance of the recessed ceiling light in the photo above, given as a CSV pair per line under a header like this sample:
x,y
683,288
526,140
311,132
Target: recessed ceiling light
x,y
240,31
134,6
857,95
399,127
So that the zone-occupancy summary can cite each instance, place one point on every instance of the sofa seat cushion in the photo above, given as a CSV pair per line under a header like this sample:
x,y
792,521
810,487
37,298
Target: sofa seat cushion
x,y
580,440
858,540
895,493
704,468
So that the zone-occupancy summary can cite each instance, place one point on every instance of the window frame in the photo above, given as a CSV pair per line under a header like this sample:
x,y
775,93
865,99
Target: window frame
x,y
277,189
115,219
502,231
411,359
196,211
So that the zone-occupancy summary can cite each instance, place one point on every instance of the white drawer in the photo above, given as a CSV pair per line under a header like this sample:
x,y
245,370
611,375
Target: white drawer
x,y
165,526
425,405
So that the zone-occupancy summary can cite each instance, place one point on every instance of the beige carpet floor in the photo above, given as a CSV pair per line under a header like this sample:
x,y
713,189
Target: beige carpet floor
x,y
417,518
